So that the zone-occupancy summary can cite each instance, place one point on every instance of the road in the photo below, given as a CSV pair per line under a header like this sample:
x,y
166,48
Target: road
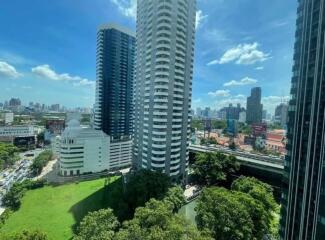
x,y
265,163
17,173
237,153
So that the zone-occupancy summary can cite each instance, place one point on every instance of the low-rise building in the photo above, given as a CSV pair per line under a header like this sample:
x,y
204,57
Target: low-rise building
x,y
276,141
86,150
120,154
17,131
8,118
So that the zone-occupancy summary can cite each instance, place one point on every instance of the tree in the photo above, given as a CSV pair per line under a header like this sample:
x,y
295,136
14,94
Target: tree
x,y
40,161
218,124
40,137
27,235
175,197
257,213
211,168
12,198
260,191
144,185
219,211
197,124
98,225
8,155
156,221
244,129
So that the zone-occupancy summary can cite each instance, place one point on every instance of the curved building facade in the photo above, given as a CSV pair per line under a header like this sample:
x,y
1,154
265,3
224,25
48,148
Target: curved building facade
x,y
163,85
83,150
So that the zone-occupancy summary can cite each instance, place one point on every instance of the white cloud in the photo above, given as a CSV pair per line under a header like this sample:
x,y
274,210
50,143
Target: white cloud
x,y
242,82
220,93
241,99
26,87
45,71
199,18
242,54
127,7
9,71
85,82
213,62
197,100
259,68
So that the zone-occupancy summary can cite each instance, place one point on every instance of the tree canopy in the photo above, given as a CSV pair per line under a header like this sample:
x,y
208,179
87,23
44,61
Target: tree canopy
x,y
245,212
40,161
8,155
98,225
175,198
219,211
144,185
214,167
259,190
156,221
26,235
12,198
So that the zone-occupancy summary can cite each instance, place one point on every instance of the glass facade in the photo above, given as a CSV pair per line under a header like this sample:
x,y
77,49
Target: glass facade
x,y
254,107
115,72
303,199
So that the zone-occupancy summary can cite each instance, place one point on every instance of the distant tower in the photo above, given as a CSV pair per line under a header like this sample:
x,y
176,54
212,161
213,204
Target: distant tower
x,y
254,107
163,86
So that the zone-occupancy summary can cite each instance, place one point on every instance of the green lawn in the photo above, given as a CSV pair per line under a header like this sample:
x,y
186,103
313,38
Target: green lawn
x,y
56,210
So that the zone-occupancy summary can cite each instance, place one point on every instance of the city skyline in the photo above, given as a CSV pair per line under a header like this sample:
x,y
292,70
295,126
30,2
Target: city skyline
x,y
58,55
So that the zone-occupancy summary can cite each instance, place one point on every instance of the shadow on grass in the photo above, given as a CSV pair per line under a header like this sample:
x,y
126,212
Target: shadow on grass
x,y
109,196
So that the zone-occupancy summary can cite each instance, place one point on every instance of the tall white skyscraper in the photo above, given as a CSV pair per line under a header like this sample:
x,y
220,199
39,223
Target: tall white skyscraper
x,y
163,85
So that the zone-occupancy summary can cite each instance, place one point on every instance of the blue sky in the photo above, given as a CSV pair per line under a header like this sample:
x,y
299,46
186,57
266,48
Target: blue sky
x,y
47,49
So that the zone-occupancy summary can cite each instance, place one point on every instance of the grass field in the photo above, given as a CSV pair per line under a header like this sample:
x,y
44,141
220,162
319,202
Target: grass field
x,y
57,210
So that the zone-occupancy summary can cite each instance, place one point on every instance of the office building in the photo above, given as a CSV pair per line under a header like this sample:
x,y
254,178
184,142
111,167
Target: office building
x,y
7,118
206,113
232,112
17,131
281,114
163,85
254,107
264,113
86,150
114,85
303,205
232,127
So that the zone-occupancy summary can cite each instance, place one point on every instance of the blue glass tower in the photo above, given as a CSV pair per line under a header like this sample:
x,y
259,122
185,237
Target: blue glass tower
x,y
114,86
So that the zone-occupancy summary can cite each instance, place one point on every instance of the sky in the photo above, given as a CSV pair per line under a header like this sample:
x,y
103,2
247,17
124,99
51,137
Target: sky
x,y
48,49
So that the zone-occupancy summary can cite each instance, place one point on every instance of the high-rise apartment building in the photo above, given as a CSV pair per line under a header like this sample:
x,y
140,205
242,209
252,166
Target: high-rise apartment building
x,y
163,85
281,114
114,86
303,206
254,107
232,112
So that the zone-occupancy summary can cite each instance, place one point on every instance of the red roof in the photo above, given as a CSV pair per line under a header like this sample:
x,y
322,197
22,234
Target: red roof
x,y
274,137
